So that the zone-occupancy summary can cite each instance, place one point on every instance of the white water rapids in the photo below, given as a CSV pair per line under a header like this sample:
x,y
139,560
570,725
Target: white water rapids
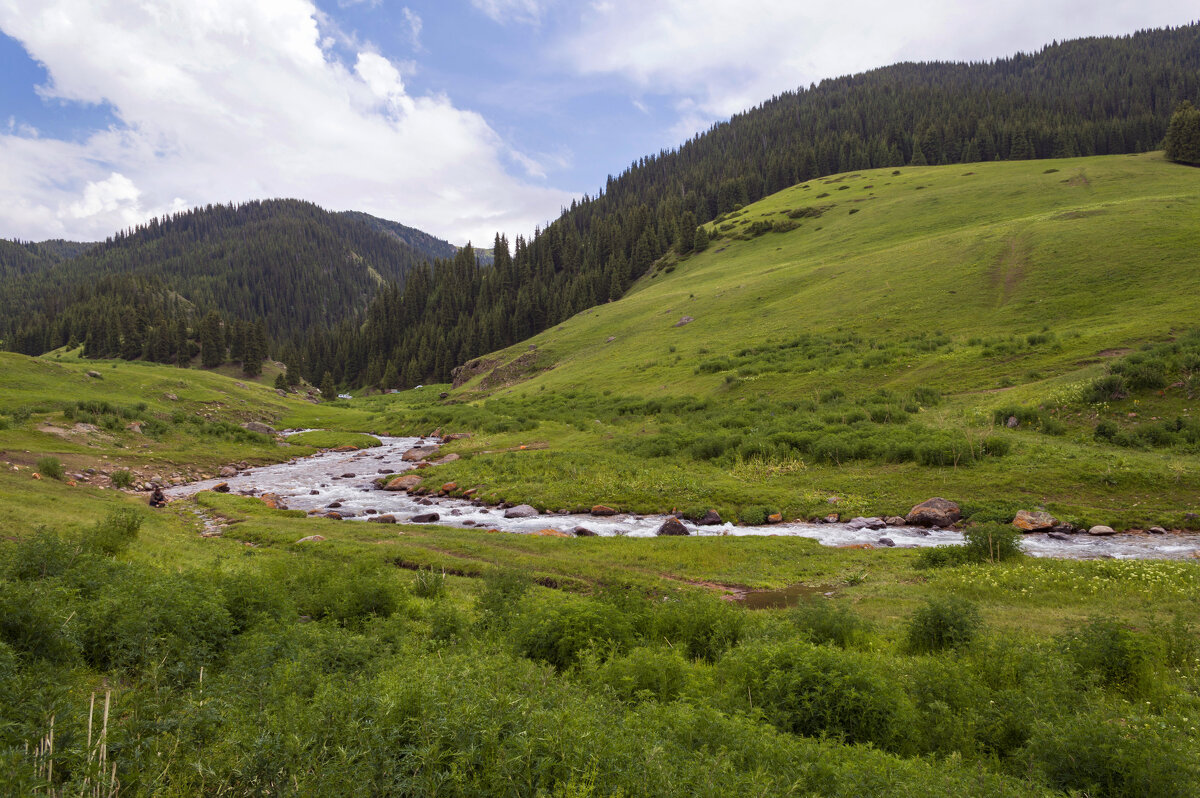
x,y
313,483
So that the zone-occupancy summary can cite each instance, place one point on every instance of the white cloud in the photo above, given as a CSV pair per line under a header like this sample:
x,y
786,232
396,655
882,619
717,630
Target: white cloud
x,y
414,28
227,100
527,12
727,57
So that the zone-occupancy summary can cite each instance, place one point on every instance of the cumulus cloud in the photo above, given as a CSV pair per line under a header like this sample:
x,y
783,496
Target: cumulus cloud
x,y
726,57
227,100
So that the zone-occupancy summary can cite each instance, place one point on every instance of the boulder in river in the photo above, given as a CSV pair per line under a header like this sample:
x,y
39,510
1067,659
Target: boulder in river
x,y
1038,521
382,519
1156,530
424,518
228,471
551,533
601,509
710,518
521,511
672,526
406,482
894,520
866,523
274,501
934,512
221,487
1100,529
583,532
775,518
418,453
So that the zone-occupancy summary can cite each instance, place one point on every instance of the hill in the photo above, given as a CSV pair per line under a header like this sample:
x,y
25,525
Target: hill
x,y
869,336
1093,96
287,263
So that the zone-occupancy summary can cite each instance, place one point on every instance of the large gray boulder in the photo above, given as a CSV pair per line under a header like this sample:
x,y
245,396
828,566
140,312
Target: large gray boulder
x,y
521,511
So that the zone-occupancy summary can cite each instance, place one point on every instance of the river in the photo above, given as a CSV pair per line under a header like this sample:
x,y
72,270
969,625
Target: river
x,y
347,478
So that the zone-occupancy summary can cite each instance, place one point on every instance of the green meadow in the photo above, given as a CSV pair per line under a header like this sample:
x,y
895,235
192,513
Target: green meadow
x,y
1010,338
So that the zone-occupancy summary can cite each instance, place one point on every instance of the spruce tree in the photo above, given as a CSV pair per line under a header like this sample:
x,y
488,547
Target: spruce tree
x,y
212,341
1182,143
328,392
700,241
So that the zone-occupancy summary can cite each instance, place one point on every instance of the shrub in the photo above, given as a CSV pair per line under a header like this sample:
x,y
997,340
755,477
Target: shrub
x,y
50,467
1112,654
115,532
992,543
821,691
429,583
828,622
703,626
645,673
943,624
346,593
121,479
31,620
502,592
1109,388
559,635
754,515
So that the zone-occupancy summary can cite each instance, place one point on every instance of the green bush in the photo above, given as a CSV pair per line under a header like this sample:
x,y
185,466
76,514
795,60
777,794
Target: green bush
x,y
827,622
754,515
115,532
701,625
943,624
818,691
992,543
1113,655
558,635
645,673
429,583
50,467
502,593
32,620
121,479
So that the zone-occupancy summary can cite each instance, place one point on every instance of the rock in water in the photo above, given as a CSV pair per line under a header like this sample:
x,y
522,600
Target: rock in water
x,y
1034,521
407,482
1100,529
672,526
711,518
521,511
934,512
583,532
221,487
601,509
424,518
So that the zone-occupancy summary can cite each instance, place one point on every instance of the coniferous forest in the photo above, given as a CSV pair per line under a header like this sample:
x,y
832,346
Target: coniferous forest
x,y
341,295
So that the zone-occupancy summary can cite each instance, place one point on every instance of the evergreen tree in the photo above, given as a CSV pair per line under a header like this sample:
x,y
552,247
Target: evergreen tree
x,y
700,241
328,391
391,378
212,341
1021,149
281,381
1182,143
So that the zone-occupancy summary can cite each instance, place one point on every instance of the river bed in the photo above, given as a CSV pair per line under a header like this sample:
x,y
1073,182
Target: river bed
x,y
347,478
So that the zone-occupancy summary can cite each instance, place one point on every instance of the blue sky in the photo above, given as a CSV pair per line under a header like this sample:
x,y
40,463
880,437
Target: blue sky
x,y
461,117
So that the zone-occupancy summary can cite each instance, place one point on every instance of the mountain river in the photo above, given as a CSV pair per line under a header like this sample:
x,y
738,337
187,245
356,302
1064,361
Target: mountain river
x,y
315,482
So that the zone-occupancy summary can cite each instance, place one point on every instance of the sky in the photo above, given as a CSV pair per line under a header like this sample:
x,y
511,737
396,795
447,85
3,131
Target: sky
x,y
460,117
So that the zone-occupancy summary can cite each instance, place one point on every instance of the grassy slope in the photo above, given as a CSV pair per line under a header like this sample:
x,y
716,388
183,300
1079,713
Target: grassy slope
x,y
1101,253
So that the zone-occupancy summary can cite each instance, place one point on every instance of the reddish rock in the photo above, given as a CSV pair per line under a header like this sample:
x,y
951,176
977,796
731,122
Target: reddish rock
x,y
346,447
710,518
274,501
672,526
221,487
934,512
1034,521
382,519
406,482
600,509
551,533
775,518
449,486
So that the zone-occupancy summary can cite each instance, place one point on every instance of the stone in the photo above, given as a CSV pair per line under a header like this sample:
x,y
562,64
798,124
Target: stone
x,y
886,542
418,453
710,518
1036,521
1065,529
449,486
1100,529
832,518
866,523
311,539
583,532
672,526
274,501
95,375
775,518
443,395
551,533
682,321
171,397
348,475
382,519
424,518
1012,422
221,487
450,458
521,511
1156,530
894,520
406,482
228,471
456,436
934,512
346,447
601,509
469,492
1057,536
334,505
610,339
863,546
259,427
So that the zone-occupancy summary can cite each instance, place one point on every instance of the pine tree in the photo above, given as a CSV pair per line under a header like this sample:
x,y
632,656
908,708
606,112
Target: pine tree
x,y
1021,149
700,242
212,341
1182,143
328,392
281,381
390,377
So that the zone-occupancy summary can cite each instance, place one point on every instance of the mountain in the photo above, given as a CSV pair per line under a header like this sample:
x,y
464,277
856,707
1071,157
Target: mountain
x,y
1013,334
289,263
1092,96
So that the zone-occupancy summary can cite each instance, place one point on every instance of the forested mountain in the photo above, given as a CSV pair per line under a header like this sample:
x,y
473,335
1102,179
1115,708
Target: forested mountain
x,y
286,263
1092,96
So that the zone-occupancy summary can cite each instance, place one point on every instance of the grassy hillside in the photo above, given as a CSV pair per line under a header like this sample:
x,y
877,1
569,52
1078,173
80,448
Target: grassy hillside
x,y
872,344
